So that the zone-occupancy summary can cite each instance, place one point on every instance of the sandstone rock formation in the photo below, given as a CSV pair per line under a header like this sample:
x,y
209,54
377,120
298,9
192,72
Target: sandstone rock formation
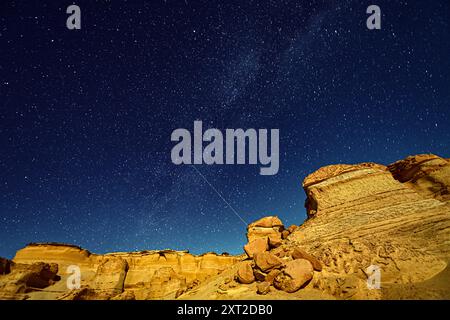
x,y
245,273
139,275
256,246
265,227
272,263
24,278
266,261
426,173
109,279
294,275
264,234
395,218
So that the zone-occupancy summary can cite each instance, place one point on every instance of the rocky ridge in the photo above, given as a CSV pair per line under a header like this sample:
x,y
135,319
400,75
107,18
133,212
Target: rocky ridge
x,y
162,274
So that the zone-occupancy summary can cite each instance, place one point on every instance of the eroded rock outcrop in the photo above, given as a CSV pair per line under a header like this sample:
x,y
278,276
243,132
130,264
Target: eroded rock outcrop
x,y
396,217
428,174
393,218
162,274
25,278
109,279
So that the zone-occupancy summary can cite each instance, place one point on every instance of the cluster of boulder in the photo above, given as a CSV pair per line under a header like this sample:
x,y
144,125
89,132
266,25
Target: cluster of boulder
x,y
286,269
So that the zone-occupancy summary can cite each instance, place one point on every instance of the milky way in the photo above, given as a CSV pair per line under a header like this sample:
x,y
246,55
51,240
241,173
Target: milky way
x,y
86,115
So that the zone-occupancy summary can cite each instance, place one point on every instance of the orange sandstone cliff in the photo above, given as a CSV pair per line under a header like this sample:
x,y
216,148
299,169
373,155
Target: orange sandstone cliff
x,y
394,218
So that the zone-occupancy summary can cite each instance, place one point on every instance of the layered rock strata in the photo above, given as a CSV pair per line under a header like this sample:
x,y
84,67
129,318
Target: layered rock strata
x,y
162,274
394,219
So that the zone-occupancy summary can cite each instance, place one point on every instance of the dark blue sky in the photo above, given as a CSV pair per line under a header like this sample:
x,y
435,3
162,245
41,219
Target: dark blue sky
x,y
86,116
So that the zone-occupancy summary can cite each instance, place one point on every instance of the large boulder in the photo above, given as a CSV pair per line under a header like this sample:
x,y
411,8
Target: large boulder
x,y
267,260
263,228
294,275
245,273
302,254
256,246
267,222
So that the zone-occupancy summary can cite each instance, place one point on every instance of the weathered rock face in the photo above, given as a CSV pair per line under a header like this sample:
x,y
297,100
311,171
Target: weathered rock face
x,y
275,240
188,268
428,174
395,218
24,278
139,275
165,283
110,277
264,234
61,254
259,275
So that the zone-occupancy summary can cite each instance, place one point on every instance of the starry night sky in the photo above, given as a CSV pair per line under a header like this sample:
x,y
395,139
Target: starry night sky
x,y
86,116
